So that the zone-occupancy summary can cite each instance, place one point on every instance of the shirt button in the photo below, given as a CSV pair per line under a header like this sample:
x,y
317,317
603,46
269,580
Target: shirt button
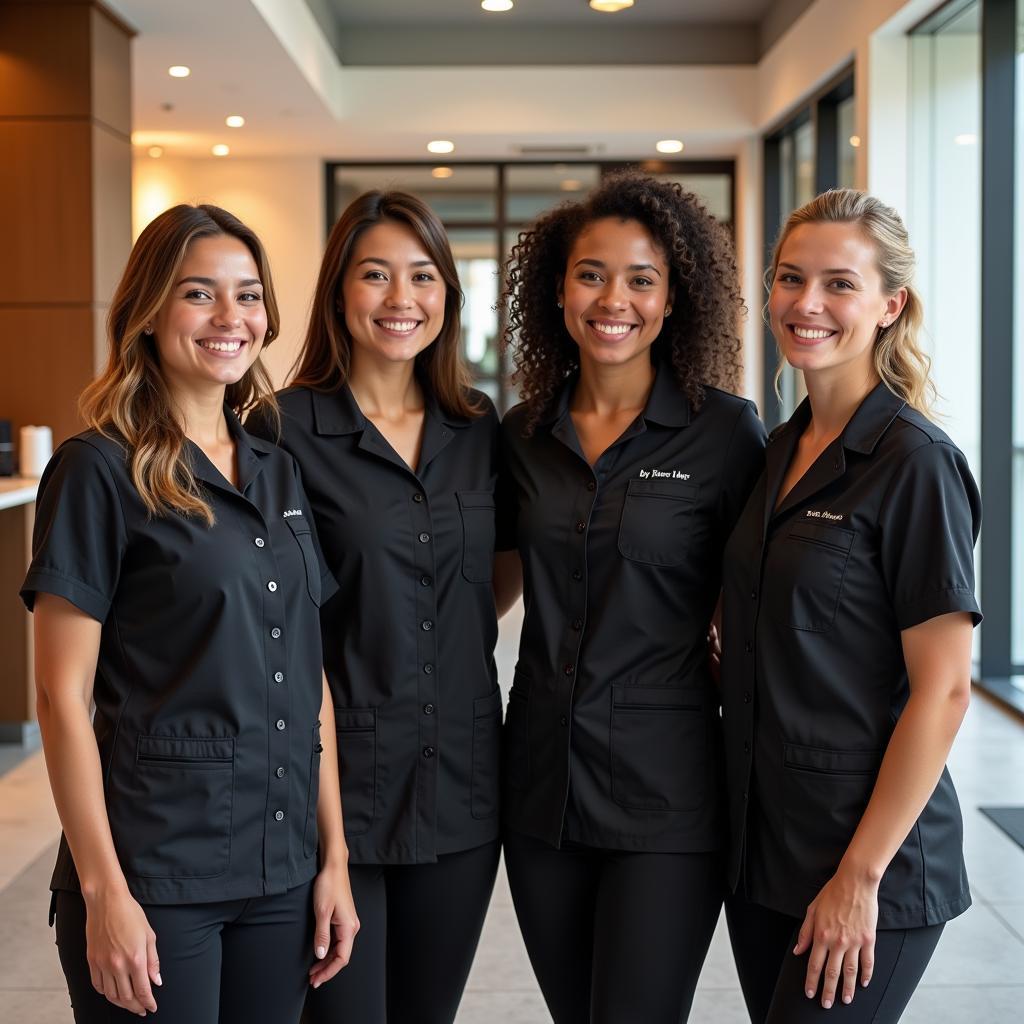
x,y
748,646
279,815
568,669
425,581
753,595
417,497
577,624
591,486
279,773
428,752
428,668
581,526
746,697
576,574
279,724
424,537
260,542
278,677
426,625
272,586
276,633
746,746
428,709
563,720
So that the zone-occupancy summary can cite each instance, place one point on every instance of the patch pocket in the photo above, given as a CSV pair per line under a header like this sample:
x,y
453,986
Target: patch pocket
x,y
309,834
478,534
304,536
809,575
483,801
658,748
357,765
825,793
655,523
179,822
516,733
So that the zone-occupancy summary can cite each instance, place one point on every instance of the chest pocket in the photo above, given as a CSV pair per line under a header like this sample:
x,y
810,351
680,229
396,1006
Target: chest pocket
x,y
809,575
304,537
478,534
655,524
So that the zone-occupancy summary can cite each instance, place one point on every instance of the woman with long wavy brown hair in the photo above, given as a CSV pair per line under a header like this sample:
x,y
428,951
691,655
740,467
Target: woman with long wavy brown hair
x,y
624,470
175,584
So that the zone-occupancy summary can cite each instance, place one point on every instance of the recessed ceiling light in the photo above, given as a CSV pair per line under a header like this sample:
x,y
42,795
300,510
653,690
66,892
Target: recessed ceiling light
x,y
610,6
496,5
220,149
155,151
441,146
179,71
570,185
234,120
855,141
669,146
967,139
441,172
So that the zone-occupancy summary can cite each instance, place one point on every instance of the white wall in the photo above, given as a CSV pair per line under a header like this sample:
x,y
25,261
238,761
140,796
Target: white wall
x,y
281,199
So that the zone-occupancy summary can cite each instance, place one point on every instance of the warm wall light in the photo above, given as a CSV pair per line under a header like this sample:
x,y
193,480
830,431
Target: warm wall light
x,y
855,141
967,139
234,120
179,71
610,6
441,146
570,185
220,149
496,5
155,151
441,172
669,146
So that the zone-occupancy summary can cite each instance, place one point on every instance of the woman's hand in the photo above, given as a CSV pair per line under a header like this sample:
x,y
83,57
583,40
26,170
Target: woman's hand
x,y
839,930
336,923
121,950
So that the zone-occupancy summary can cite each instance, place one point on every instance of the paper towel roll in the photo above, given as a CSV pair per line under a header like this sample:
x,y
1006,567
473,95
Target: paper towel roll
x,y
34,450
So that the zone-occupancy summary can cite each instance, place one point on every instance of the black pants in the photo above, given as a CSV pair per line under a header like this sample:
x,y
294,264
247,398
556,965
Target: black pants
x,y
419,928
233,962
772,978
614,937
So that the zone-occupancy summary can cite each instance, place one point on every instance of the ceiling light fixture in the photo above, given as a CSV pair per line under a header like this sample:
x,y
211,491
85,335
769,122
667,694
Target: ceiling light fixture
x,y
155,151
570,185
220,149
234,120
441,146
496,6
610,6
967,139
855,141
441,172
669,146
179,71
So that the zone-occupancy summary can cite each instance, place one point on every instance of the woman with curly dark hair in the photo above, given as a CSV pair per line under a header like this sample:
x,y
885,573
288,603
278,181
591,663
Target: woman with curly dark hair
x,y
625,469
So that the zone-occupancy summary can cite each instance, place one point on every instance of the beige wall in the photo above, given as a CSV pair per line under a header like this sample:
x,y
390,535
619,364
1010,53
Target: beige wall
x,y
281,199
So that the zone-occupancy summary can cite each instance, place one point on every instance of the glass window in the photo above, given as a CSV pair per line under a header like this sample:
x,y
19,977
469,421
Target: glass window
x,y
459,194
846,143
530,189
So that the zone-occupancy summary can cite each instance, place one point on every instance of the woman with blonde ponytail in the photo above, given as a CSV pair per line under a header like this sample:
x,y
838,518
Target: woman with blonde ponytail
x,y
848,611
175,582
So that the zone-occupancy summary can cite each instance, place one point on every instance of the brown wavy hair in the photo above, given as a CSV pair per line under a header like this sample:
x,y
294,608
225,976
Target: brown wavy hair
x,y
325,360
130,401
701,337
900,361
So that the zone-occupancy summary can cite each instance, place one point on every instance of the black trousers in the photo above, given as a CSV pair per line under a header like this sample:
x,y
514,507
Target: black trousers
x,y
772,978
233,962
614,937
419,929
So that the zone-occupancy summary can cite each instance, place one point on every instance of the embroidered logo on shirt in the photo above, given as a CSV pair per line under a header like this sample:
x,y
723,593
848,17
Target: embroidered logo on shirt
x,y
293,512
832,516
663,474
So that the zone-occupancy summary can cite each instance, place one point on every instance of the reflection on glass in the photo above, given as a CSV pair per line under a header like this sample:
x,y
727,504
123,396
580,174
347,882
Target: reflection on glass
x,y
476,259
467,194
803,185
532,189
846,142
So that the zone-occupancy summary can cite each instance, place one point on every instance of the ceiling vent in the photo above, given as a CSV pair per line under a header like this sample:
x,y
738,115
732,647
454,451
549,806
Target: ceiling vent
x,y
568,149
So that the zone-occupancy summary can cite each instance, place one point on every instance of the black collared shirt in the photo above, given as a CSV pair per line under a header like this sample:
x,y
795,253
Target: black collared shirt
x,y
612,733
875,538
208,683
409,640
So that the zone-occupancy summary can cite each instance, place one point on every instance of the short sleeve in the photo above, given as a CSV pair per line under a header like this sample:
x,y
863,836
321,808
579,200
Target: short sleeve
x,y
328,584
505,495
80,537
929,521
744,464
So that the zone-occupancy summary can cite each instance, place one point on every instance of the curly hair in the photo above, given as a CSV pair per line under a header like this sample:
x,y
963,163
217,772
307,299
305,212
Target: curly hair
x,y
701,337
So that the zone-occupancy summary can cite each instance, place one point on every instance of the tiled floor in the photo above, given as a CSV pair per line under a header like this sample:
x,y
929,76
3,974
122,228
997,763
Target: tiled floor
x,y
977,974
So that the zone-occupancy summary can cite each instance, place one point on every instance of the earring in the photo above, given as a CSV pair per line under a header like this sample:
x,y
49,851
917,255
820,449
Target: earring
x,y
559,305
668,311
884,324
147,330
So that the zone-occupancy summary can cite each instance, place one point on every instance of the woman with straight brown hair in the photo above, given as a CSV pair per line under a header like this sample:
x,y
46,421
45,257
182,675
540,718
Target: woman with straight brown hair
x,y
398,455
169,558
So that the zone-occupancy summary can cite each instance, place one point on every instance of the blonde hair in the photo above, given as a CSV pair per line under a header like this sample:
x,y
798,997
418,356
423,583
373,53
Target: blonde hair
x,y
900,362
130,400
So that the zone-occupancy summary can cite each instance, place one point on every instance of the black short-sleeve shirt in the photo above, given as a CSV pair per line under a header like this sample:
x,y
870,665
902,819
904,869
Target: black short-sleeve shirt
x,y
208,682
875,538
409,640
612,732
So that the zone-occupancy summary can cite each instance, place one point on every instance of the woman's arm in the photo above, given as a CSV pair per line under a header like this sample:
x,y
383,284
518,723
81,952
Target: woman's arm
x,y
332,893
840,924
508,580
121,947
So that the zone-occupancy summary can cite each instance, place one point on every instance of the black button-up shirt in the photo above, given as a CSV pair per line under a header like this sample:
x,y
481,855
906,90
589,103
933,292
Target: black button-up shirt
x,y
612,730
875,538
409,640
208,683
